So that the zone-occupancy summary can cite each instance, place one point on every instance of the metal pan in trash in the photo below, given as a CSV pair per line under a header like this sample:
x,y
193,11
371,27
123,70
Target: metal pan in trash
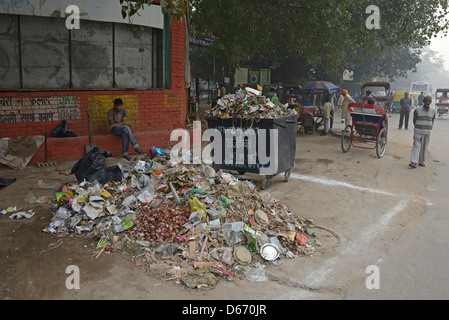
x,y
269,252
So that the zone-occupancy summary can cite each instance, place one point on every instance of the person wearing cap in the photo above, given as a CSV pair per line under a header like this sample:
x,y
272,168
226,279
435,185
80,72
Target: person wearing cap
x,y
346,100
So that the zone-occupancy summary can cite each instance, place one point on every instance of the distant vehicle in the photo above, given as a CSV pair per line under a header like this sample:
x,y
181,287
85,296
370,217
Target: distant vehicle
x,y
442,102
421,86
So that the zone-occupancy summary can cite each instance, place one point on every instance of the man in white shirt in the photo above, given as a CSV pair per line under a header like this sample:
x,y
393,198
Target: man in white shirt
x,y
346,101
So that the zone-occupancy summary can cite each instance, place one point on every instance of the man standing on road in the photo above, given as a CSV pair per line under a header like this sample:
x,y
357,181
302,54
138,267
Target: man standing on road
x,y
406,106
347,100
421,99
117,117
327,108
423,119
331,120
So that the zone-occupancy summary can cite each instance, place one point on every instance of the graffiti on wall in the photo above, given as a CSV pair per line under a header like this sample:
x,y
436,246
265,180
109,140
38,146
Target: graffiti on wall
x,y
171,100
99,106
39,109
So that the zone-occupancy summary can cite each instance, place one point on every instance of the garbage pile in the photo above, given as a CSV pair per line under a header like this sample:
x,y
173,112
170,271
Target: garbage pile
x,y
249,104
184,221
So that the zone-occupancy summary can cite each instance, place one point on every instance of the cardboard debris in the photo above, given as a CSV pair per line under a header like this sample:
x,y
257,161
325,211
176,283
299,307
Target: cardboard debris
x,y
186,216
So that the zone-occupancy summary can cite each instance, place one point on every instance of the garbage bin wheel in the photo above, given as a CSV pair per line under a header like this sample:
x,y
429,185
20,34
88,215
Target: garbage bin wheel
x,y
287,175
266,183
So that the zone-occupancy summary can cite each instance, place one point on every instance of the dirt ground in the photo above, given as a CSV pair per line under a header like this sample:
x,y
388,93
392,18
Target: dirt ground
x,y
346,194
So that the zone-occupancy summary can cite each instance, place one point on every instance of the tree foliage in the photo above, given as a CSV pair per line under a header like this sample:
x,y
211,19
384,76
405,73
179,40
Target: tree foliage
x,y
429,69
324,32
172,8
328,34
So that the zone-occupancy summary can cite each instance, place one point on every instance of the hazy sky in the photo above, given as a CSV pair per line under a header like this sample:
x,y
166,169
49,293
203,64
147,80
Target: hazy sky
x,y
441,45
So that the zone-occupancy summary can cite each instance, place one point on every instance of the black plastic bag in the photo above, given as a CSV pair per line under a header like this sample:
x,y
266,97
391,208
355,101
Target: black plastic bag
x,y
6,182
92,167
61,131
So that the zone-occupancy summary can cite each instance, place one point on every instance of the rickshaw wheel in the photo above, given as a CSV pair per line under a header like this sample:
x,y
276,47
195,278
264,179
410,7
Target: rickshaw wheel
x,y
346,137
381,144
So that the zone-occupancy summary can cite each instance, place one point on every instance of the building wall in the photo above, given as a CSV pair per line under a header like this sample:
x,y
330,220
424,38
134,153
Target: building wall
x,y
153,113
98,10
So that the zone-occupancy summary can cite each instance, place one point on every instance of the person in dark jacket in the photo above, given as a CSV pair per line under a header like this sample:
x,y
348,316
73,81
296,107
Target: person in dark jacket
x,y
406,106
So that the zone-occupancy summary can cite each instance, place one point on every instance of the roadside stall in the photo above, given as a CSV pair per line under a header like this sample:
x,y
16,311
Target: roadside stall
x,y
313,98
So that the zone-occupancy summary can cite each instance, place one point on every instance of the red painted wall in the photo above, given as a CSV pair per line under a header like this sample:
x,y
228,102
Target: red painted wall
x,y
153,114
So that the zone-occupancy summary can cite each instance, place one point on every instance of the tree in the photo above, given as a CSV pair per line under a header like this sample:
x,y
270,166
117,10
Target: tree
x,y
323,32
390,63
173,8
429,70
326,33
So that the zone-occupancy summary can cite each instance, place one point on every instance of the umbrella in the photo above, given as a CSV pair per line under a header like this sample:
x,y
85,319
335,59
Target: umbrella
x,y
320,87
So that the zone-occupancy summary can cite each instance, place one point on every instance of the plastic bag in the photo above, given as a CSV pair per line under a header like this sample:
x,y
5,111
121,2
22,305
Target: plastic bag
x,y
194,219
42,185
92,167
6,182
255,274
129,200
145,197
155,152
196,205
61,131
224,201
217,213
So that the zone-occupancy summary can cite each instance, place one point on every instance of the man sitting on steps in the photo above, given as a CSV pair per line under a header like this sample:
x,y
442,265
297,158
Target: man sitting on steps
x,y
117,117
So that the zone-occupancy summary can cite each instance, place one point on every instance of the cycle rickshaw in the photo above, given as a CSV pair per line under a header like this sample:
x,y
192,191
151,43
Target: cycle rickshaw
x,y
368,130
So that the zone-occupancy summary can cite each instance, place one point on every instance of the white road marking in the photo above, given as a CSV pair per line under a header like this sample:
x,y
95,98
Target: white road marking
x,y
330,182
317,278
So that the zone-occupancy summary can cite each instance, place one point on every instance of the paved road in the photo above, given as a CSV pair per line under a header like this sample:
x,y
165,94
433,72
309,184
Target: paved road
x,y
399,233
415,266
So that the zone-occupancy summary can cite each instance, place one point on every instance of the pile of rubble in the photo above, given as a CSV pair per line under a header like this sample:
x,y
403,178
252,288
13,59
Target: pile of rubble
x,y
183,221
249,104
